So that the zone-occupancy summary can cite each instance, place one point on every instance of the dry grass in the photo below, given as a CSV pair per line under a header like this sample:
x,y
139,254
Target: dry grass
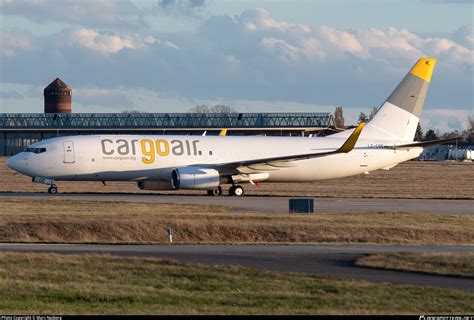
x,y
54,220
413,179
457,264
71,284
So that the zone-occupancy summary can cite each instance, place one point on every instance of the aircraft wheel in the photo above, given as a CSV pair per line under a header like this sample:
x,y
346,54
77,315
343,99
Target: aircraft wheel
x,y
236,191
53,190
215,192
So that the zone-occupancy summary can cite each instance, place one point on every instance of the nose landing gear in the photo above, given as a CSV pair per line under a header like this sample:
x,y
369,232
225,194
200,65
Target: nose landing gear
x,y
53,189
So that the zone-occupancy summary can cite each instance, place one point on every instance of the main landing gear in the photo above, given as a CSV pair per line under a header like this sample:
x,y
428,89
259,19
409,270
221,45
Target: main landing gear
x,y
234,191
215,192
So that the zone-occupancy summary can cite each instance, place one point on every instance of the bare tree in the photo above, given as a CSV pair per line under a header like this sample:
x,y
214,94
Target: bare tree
x,y
362,117
220,108
200,109
431,135
452,134
373,112
132,111
470,130
419,133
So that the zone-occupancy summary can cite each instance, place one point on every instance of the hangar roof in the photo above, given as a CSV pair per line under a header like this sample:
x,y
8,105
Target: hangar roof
x,y
165,121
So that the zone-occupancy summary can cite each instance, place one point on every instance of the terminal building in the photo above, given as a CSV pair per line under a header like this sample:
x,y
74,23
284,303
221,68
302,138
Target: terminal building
x,y
18,131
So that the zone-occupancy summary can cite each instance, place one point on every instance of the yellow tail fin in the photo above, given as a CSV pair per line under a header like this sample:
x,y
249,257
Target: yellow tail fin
x,y
423,69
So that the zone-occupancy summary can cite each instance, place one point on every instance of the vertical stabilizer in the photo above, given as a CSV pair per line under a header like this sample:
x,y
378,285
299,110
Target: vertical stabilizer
x,y
398,117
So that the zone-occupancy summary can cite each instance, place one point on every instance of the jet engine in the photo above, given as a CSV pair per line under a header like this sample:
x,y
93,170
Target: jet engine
x,y
154,185
195,178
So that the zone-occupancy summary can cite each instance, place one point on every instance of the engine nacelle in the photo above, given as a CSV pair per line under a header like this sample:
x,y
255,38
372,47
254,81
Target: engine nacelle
x,y
195,178
154,185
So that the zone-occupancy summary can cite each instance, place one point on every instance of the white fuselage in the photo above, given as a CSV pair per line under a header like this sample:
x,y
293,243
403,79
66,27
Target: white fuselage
x,y
151,157
205,162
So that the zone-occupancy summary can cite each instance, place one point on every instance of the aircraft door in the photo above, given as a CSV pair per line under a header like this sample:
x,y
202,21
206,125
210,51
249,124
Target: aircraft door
x,y
68,151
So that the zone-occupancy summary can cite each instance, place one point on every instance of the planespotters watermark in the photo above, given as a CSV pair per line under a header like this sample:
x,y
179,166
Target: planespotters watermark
x,y
33,317
423,317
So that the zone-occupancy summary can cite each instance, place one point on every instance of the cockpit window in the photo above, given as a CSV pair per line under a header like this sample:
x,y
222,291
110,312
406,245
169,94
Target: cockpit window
x,y
36,150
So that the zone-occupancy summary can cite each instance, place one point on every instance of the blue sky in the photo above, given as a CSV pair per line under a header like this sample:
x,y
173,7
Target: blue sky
x,y
269,56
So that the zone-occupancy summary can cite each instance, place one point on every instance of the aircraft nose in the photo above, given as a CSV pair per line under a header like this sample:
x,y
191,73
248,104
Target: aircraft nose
x,y
14,162
10,163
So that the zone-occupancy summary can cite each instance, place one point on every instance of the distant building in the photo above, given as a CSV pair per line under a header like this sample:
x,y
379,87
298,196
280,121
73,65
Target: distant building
x,y
57,97
460,152
18,131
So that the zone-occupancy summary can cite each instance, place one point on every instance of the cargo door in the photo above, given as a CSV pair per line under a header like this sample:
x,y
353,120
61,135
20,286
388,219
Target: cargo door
x,y
68,151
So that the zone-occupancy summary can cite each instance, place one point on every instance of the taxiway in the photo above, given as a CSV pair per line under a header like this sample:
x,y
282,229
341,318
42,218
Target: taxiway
x,y
333,261
273,204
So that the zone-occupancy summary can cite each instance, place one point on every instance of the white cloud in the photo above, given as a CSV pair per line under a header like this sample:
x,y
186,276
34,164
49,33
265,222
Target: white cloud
x,y
446,120
470,39
102,43
281,48
260,19
252,56
182,7
298,42
11,43
340,40
110,44
11,94
109,98
453,52
109,13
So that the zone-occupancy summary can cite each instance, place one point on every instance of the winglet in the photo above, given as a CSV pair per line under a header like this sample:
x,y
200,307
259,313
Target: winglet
x,y
352,140
223,132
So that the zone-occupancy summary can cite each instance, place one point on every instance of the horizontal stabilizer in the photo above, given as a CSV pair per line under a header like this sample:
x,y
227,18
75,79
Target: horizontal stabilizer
x,y
423,144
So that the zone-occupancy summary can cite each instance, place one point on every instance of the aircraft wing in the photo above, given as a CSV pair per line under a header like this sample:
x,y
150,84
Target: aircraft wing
x,y
282,161
421,144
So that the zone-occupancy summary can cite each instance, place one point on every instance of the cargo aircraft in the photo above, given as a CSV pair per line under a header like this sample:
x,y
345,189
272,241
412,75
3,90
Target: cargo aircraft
x,y
162,162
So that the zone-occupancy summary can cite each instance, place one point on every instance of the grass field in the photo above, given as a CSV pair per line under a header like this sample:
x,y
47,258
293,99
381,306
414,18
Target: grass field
x,y
57,220
413,179
457,264
70,284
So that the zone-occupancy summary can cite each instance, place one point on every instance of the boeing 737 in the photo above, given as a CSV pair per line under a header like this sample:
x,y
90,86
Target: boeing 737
x,y
161,162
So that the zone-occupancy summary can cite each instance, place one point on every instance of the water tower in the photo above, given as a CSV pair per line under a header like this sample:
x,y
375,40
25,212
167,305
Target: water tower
x,y
57,97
